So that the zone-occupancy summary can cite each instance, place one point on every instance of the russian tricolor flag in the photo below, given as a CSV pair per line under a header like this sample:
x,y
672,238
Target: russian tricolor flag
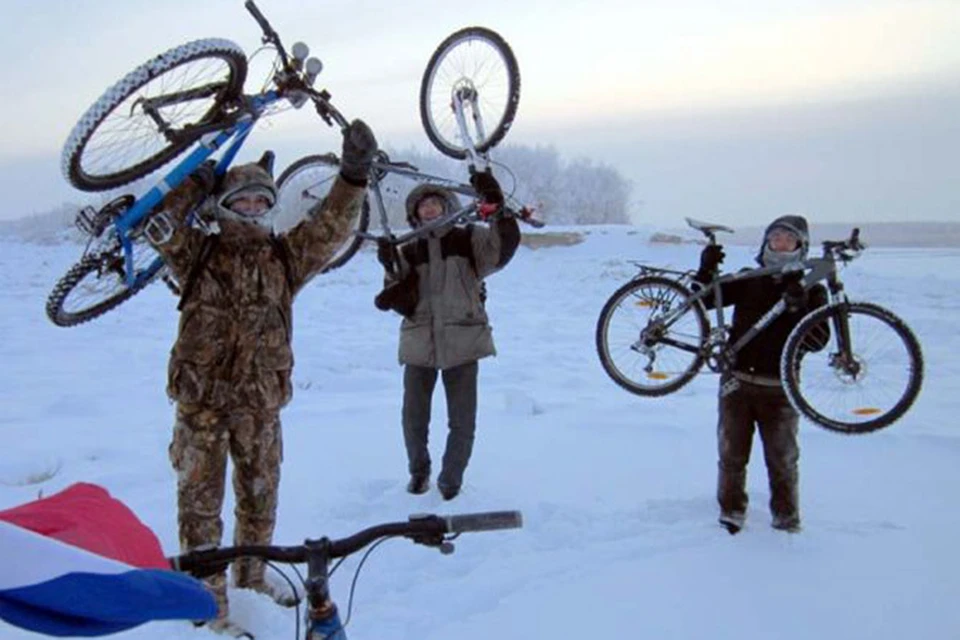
x,y
80,563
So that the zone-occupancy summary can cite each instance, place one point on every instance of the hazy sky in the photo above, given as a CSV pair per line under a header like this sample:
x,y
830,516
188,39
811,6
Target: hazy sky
x,y
731,110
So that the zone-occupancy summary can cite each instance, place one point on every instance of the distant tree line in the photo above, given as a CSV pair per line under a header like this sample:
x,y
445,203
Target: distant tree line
x,y
578,191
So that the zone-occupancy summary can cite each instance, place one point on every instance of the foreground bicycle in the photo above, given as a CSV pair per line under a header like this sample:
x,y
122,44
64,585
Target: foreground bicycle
x,y
191,98
469,95
322,616
852,367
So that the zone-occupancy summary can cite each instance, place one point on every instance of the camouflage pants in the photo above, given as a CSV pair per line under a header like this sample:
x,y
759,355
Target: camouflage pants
x,y
202,440
768,410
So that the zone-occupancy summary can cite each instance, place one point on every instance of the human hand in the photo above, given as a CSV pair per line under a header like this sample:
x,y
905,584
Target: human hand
x,y
795,295
711,257
487,187
359,147
205,176
385,253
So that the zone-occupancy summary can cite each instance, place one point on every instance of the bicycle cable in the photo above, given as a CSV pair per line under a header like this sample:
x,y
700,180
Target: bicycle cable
x,y
356,576
297,598
510,172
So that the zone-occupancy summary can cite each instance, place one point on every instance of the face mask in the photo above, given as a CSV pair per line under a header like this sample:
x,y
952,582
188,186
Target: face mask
x,y
771,258
252,204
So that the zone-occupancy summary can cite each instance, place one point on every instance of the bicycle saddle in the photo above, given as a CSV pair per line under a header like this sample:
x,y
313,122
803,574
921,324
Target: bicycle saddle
x,y
707,227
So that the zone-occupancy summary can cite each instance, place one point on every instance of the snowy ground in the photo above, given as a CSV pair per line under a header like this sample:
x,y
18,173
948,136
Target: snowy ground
x,y
620,537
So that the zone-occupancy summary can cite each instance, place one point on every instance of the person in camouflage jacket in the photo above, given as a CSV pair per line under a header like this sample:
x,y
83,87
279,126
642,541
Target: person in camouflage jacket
x,y
230,367
445,330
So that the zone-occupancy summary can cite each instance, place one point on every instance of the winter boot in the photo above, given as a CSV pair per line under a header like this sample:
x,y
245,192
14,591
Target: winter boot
x,y
448,492
418,484
282,596
226,627
732,521
786,522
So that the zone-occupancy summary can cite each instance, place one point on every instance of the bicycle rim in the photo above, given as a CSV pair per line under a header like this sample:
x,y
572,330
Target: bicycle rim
x,y
117,140
96,285
471,60
858,394
303,186
656,365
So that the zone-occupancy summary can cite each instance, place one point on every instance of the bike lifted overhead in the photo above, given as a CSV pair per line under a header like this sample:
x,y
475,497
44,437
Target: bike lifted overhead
x,y
190,100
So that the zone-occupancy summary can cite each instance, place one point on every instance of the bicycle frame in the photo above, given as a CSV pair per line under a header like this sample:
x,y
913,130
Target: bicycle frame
x,y
399,169
207,145
820,269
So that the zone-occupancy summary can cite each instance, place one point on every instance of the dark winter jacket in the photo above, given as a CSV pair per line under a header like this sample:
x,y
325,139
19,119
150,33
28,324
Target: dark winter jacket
x,y
751,299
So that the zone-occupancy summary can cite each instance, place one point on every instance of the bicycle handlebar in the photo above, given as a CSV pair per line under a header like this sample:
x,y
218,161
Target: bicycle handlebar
x,y
842,247
269,35
424,529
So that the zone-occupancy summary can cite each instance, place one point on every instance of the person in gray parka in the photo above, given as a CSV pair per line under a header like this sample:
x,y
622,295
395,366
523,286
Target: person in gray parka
x,y
437,284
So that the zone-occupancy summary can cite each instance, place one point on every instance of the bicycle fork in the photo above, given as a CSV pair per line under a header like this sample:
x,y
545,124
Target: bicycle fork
x,y
323,618
844,359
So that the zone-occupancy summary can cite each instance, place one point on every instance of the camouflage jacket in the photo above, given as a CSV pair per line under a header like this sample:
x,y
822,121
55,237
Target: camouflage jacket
x,y
233,346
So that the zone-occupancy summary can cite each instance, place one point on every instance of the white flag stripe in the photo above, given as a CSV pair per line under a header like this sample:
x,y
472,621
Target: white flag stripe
x,y
35,558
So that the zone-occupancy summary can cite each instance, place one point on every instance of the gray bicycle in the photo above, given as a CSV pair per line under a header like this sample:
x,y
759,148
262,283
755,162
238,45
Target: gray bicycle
x,y
851,367
468,99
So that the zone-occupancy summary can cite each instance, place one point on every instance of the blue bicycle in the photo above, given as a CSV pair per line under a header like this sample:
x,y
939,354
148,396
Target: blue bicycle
x,y
322,616
191,98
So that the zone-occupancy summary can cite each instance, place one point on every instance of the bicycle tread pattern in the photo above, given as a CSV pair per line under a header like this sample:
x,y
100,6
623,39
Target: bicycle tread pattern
x,y
70,280
70,157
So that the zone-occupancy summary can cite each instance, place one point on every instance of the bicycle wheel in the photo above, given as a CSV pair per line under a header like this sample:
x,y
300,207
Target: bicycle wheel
x,y
303,185
127,132
641,353
97,284
472,62
858,394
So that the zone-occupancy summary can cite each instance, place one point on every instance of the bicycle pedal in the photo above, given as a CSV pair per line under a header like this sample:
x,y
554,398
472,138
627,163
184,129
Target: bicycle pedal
x,y
159,229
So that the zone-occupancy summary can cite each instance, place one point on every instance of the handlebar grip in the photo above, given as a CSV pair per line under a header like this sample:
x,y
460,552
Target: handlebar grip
x,y
488,521
259,17
855,238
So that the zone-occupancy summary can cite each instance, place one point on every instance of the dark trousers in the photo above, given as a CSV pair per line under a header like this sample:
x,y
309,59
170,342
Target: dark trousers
x,y
460,384
767,409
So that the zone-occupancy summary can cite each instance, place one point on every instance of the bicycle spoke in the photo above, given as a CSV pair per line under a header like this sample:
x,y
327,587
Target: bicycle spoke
x,y
864,389
637,349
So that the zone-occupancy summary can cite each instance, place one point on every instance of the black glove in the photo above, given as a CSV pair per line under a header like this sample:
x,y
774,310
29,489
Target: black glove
x,y
795,295
487,187
359,147
385,254
205,176
710,258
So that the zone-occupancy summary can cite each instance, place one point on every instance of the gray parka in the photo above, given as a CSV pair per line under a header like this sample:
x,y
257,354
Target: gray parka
x,y
450,326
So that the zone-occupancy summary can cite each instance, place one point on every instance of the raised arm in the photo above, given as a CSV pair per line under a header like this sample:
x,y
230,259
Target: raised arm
x,y
312,243
710,259
493,247
180,246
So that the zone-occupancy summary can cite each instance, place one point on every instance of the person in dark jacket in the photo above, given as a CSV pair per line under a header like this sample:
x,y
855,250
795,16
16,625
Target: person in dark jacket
x,y
445,329
751,395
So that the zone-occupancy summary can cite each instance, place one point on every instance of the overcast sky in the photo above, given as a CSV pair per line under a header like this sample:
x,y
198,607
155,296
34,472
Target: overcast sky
x,y
731,110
